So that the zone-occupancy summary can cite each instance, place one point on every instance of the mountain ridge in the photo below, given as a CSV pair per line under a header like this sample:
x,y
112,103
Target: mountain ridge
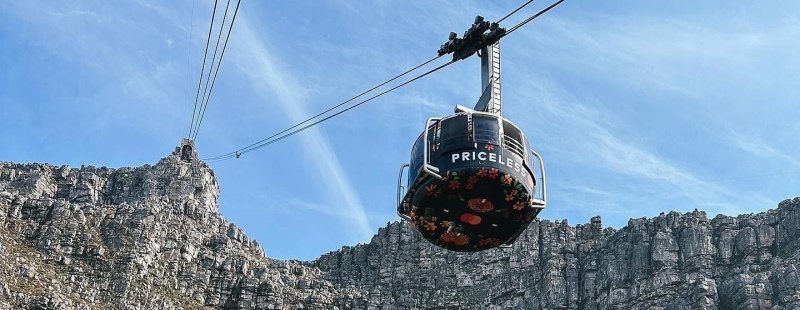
x,y
152,237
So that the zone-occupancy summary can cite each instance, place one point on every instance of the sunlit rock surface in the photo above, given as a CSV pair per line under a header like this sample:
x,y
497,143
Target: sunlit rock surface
x,y
152,237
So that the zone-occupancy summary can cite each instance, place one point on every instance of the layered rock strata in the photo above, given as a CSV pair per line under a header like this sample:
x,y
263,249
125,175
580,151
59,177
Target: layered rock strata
x,y
152,237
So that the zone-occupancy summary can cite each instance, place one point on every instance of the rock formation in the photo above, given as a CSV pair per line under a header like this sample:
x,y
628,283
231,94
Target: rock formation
x,y
152,238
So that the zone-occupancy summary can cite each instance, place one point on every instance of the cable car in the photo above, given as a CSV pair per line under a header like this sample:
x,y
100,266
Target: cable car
x,y
474,183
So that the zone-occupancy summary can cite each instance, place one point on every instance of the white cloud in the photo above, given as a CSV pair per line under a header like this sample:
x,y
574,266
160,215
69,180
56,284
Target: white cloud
x,y
675,54
587,133
758,147
257,63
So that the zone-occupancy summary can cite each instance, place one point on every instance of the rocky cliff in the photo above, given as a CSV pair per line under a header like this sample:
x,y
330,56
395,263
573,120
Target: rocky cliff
x,y
152,238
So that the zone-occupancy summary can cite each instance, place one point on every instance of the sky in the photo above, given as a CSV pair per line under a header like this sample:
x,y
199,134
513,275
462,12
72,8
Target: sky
x,y
638,107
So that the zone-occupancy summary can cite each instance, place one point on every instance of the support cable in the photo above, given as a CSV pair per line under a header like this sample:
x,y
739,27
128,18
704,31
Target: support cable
x,y
210,70
241,151
514,11
334,107
289,132
534,16
219,64
203,67
188,58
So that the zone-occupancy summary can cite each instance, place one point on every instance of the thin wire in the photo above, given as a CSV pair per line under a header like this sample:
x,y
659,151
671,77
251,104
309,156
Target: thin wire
x,y
336,106
211,69
219,64
514,11
269,140
532,17
202,68
188,57
242,151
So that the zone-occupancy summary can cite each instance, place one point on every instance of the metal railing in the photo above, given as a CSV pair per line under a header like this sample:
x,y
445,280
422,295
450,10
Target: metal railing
x,y
513,145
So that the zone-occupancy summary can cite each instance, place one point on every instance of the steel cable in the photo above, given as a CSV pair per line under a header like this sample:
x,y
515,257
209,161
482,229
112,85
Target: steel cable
x,y
203,67
283,134
207,97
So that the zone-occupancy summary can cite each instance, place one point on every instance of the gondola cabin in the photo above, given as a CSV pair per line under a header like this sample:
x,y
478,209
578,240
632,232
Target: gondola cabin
x,y
474,183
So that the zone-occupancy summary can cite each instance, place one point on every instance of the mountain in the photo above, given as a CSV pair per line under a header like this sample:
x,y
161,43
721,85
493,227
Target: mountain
x,y
152,237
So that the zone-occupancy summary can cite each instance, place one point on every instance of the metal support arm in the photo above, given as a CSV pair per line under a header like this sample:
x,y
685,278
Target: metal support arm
x,y
490,100
426,165
400,192
540,202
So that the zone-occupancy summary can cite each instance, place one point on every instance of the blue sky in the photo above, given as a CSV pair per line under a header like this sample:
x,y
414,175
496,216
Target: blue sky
x,y
638,107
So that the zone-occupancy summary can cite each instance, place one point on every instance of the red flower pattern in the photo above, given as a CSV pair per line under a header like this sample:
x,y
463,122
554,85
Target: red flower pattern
x,y
471,182
480,212
489,147
430,188
454,185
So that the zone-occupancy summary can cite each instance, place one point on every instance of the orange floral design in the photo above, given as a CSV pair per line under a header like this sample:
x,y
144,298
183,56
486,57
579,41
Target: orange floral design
x,y
433,189
493,173
512,195
518,206
456,238
430,226
480,205
507,179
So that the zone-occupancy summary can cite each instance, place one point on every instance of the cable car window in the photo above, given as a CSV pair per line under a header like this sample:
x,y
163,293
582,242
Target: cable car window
x,y
487,129
454,133
416,160
512,139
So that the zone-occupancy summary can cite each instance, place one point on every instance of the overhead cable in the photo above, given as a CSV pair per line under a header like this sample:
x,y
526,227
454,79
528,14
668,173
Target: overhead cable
x,y
242,151
219,64
514,11
289,131
203,67
334,107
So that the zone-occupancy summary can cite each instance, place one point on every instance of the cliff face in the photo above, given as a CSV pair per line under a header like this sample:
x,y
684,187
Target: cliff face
x,y
130,238
673,261
152,238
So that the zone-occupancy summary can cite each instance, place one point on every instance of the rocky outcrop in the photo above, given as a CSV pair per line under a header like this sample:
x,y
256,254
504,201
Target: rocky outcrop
x,y
152,238
673,261
132,238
